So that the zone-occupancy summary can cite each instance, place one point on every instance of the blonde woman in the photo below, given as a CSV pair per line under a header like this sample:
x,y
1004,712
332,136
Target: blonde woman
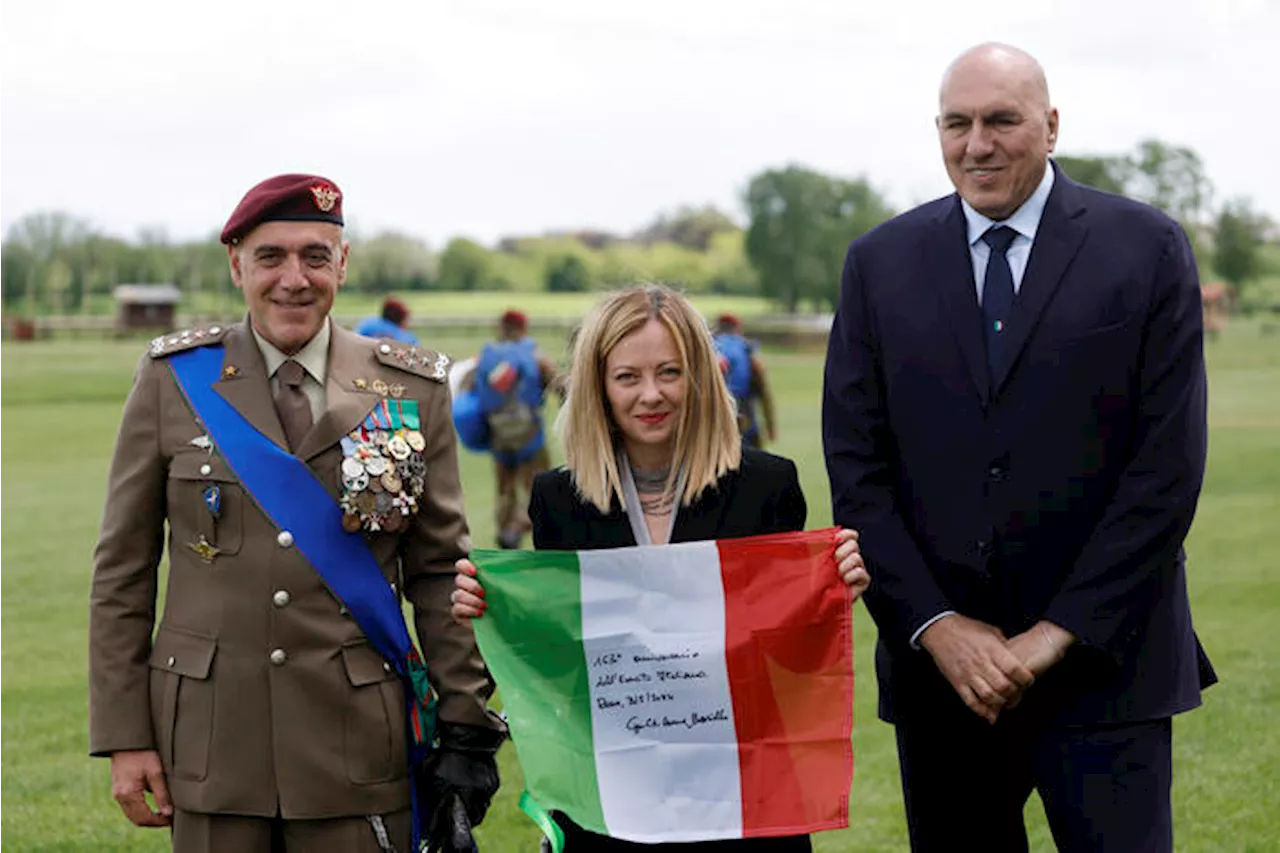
x,y
653,455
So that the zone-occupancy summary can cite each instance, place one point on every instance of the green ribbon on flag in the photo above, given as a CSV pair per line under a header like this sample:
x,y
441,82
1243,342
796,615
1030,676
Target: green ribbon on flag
x,y
542,818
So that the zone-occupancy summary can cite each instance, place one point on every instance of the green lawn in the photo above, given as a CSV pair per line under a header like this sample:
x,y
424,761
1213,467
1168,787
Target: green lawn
x,y
61,403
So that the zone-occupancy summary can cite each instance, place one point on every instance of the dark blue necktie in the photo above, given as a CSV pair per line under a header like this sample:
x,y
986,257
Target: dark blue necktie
x,y
997,294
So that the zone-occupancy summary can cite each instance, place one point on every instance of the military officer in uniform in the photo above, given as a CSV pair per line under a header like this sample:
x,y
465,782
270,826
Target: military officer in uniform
x,y
259,716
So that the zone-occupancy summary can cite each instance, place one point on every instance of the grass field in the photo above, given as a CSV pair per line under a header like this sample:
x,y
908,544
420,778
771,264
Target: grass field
x,y
61,404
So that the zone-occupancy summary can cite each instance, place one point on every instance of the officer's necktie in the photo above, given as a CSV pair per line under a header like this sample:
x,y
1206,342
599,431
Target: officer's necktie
x,y
292,404
997,295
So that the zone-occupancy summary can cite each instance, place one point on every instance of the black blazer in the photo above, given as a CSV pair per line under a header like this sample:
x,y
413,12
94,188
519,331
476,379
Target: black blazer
x,y
762,496
1061,488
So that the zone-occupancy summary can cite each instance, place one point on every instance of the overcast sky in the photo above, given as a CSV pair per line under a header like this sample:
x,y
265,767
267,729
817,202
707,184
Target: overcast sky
x,y
482,118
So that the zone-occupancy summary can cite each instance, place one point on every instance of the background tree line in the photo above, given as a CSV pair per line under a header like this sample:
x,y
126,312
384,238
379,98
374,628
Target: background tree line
x,y
798,222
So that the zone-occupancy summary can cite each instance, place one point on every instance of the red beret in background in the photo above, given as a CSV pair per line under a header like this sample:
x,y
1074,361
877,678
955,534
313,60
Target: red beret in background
x,y
515,320
288,198
394,310
728,320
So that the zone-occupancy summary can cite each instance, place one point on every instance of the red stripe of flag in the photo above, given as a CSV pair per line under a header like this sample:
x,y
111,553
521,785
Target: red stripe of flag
x,y
791,678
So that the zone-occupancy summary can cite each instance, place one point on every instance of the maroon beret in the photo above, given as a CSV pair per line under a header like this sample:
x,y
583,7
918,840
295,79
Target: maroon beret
x,y
728,320
288,198
515,320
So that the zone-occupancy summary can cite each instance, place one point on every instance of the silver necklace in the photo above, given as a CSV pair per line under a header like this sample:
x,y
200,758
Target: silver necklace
x,y
651,482
651,490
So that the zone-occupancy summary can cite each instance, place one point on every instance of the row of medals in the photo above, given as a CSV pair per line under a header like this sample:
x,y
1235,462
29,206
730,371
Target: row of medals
x,y
383,475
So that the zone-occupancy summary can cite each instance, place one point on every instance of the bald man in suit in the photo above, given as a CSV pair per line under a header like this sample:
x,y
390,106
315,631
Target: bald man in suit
x,y
1014,420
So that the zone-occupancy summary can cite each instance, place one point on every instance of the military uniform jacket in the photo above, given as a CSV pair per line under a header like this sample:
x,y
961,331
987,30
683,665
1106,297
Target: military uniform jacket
x,y
260,693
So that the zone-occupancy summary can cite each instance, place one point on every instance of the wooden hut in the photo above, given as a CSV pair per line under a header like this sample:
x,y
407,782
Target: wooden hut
x,y
145,306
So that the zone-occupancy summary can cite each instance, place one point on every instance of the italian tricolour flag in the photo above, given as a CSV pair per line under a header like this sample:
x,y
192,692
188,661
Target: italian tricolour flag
x,y
678,692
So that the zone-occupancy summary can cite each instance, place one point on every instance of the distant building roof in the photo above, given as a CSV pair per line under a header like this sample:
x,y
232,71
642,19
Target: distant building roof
x,y
147,294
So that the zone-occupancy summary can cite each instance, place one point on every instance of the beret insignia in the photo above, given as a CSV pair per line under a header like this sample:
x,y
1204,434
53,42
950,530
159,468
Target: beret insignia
x,y
325,196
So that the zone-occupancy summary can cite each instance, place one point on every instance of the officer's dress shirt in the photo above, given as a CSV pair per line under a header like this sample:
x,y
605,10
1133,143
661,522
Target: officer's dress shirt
x,y
314,358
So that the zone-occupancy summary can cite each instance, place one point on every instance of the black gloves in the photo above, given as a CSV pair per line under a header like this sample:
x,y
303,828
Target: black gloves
x,y
450,831
458,780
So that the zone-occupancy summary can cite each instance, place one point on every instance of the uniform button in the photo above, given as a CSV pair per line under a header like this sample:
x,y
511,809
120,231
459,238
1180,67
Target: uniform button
x,y
983,548
997,473
280,598
206,470
285,539
386,667
278,657
172,661
384,349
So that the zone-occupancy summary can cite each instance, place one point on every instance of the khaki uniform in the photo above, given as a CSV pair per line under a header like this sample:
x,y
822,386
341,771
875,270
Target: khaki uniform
x,y
762,395
259,691
513,485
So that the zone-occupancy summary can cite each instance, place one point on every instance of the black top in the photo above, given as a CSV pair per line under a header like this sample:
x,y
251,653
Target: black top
x,y
762,496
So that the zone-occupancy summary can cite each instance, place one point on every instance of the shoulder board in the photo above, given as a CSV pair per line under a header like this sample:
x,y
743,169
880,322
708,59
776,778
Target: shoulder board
x,y
200,336
416,360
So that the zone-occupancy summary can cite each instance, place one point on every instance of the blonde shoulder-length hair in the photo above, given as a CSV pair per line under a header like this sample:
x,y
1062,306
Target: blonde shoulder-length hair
x,y
707,443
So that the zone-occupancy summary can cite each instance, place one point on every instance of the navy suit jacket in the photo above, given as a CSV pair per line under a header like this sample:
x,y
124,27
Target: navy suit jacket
x,y
1060,489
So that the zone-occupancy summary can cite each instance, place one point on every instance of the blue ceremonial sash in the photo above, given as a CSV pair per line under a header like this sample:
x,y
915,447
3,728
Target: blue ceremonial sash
x,y
289,494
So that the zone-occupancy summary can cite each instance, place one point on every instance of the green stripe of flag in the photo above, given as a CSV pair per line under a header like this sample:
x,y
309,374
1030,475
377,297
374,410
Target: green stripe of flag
x,y
534,649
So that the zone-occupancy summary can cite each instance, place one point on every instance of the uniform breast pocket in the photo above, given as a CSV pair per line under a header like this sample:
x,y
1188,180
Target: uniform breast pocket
x,y
374,729
182,700
205,502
